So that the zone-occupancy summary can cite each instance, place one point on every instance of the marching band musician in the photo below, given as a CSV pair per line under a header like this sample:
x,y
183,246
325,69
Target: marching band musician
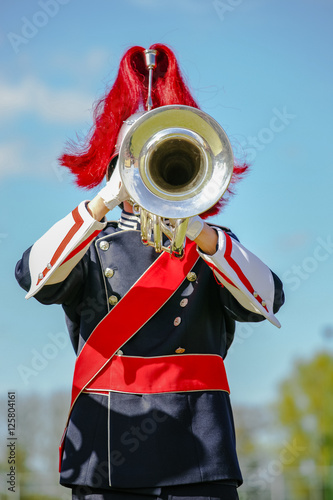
x,y
150,415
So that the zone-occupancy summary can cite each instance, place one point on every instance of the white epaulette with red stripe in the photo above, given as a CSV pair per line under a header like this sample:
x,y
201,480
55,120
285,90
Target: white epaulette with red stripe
x,y
246,277
58,251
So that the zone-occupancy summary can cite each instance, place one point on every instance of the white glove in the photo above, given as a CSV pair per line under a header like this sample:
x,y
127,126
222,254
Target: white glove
x,y
194,228
114,192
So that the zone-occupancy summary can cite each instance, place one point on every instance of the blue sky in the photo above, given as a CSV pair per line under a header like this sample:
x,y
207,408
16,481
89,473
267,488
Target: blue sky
x,y
262,69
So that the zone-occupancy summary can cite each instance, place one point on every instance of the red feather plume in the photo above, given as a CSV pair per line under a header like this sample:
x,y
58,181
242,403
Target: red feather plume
x,y
89,160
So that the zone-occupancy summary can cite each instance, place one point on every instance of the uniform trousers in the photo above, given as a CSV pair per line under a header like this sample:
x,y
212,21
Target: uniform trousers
x,y
202,491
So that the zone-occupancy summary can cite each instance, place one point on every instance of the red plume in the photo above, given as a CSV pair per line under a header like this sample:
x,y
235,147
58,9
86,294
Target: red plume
x,y
168,84
89,160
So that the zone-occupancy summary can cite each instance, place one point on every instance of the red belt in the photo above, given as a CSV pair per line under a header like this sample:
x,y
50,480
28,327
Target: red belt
x,y
175,373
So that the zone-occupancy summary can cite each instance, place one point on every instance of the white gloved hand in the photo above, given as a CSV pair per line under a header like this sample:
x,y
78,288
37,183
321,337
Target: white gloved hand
x,y
114,192
194,228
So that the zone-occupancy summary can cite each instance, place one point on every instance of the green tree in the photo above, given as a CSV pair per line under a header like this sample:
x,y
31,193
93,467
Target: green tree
x,y
305,410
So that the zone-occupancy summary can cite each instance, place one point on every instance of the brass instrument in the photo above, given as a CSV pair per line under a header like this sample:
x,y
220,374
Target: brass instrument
x,y
175,162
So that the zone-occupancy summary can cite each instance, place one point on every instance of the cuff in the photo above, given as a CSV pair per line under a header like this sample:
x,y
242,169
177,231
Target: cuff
x,y
247,278
63,244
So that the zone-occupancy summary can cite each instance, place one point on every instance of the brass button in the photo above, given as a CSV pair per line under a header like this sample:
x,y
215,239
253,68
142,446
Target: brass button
x,y
109,272
177,321
183,303
191,276
113,300
104,245
180,350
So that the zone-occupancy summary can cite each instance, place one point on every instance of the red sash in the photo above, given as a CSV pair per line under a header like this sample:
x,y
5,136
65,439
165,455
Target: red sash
x,y
153,289
145,298
157,374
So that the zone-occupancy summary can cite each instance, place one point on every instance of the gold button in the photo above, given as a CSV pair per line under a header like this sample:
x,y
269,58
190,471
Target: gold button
x,y
177,321
104,245
109,272
180,350
113,300
191,276
183,303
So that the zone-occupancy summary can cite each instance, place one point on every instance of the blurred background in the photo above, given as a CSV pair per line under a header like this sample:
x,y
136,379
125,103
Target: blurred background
x,y
263,70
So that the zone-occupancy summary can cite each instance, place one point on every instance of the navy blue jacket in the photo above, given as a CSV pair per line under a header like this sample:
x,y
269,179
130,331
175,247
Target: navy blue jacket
x,y
147,441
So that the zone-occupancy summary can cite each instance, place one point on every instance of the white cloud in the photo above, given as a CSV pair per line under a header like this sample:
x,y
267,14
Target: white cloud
x,y
50,105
